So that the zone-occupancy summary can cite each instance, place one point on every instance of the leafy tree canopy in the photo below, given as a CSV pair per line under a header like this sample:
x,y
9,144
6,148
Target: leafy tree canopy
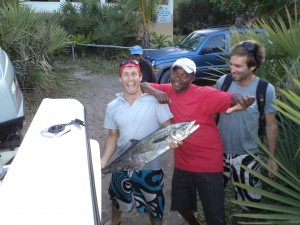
x,y
250,10
190,15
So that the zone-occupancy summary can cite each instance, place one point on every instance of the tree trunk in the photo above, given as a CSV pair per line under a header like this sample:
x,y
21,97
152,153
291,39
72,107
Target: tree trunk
x,y
146,40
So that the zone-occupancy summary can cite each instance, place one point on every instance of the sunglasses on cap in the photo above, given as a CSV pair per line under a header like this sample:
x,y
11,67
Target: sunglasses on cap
x,y
127,61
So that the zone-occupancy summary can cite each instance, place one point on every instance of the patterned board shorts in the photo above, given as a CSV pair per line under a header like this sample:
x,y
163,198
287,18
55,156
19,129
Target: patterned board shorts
x,y
142,187
235,173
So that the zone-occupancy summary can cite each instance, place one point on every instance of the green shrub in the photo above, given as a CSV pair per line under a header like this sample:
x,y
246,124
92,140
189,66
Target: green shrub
x,y
31,42
161,40
81,39
107,24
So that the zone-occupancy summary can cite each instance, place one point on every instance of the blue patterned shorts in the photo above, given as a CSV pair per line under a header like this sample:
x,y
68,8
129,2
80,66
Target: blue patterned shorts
x,y
142,187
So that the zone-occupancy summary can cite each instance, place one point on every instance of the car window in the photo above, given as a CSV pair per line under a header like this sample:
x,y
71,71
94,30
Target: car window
x,y
214,44
192,41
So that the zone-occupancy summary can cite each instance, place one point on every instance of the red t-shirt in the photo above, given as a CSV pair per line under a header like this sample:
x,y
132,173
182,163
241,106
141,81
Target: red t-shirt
x,y
202,150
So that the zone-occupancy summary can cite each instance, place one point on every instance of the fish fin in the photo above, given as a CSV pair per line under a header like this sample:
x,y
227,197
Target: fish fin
x,y
160,139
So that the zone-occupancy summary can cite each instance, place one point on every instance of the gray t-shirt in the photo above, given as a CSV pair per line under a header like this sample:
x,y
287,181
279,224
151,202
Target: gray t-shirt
x,y
136,121
237,128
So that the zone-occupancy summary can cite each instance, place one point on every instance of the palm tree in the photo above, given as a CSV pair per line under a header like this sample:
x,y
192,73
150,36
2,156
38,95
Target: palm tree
x,y
145,11
281,204
31,39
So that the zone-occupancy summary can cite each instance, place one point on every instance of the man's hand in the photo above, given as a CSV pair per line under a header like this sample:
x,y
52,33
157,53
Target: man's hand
x,y
272,165
174,144
240,102
162,97
103,164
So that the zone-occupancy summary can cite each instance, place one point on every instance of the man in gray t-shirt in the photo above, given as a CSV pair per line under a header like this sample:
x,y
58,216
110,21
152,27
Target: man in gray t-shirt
x,y
134,115
237,129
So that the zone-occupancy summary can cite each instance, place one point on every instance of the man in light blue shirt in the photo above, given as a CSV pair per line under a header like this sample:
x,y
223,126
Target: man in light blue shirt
x,y
134,115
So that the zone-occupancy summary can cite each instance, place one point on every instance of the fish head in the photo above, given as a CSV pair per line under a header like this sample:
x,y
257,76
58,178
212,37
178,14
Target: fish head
x,y
181,131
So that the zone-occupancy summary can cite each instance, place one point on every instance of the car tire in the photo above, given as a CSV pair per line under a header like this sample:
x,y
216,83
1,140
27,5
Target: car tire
x,y
165,78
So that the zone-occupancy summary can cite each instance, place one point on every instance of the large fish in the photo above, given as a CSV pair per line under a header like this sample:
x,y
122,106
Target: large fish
x,y
151,146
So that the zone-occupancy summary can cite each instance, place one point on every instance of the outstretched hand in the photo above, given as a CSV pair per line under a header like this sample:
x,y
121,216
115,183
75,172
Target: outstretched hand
x,y
241,102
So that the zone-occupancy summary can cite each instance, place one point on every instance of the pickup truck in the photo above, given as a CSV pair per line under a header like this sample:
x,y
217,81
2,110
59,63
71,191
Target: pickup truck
x,y
204,47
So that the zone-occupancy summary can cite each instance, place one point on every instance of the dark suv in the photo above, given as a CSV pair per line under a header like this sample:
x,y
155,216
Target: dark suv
x,y
204,47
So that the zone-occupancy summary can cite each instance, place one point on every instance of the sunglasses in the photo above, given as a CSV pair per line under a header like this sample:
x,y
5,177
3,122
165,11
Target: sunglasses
x,y
249,46
125,62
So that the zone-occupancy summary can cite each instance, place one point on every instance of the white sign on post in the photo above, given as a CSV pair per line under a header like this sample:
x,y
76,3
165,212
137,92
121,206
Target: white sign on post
x,y
164,14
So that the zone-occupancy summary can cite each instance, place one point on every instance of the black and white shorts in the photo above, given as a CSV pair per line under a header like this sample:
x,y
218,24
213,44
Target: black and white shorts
x,y
235,173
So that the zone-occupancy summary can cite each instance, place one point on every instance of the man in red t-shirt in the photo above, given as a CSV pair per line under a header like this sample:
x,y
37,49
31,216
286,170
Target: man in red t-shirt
x,y
198,162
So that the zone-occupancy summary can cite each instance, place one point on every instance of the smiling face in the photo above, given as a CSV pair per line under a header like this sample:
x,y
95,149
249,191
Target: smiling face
x,y
181,80
131,79
240,71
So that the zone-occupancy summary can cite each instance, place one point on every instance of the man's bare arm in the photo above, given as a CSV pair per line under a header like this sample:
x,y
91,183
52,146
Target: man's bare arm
x,y
272,138
110,146
161,96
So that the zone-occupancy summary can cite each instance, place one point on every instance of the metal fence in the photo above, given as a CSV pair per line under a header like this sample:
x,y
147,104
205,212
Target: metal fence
x,y
73,45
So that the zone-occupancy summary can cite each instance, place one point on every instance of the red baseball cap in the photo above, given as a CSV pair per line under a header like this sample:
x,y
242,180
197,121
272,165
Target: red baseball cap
x,y
129,63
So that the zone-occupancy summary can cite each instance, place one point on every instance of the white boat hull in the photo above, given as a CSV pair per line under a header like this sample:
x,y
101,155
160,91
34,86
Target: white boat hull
x,y
52,179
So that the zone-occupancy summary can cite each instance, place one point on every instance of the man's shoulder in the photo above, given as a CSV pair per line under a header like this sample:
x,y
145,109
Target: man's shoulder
x,y
145,62
264,87
268,84
201,89
220,81
148,98
116,101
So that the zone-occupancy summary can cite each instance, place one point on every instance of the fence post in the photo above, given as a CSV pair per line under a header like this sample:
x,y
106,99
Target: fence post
x,y
73,51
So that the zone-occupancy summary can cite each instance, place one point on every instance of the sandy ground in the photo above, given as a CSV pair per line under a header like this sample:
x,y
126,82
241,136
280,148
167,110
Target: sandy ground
x,y
101,90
